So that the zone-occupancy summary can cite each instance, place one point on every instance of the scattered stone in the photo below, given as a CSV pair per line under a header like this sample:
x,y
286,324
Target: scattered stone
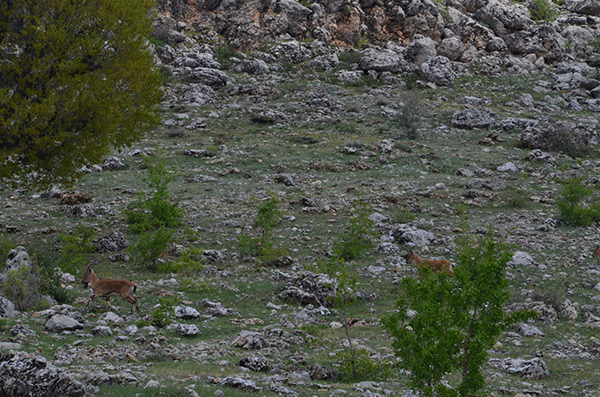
x,y
311,315
114,163
186,312
217,309
23,374
539,155
529,330
245,385
59,323
320,372
7,308
113,242
187,330
508,167
412,236
250,340
535,368
521,258
256,362
438,70
101,330
213,256
474,118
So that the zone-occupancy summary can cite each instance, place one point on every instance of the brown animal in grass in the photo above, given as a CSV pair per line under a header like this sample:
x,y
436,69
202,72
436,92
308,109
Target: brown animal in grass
x,y
436,265
106,288
596,253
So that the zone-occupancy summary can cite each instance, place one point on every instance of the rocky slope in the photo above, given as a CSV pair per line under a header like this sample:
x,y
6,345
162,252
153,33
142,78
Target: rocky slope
x,y
310,102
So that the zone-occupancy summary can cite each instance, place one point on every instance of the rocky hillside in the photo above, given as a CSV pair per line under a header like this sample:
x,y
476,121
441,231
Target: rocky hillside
x,y
434,119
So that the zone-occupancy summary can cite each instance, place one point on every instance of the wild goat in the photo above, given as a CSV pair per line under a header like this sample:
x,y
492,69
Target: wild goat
x,y
436,265
596,253
105,288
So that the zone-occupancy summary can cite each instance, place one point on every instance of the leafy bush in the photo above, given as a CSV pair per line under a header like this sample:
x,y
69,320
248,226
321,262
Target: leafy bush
x,y
443,323
51,285
21,286
543,10
6,245
360,366
156,211
223,55
357,239
561,139
163,315
150,247
76,247
409,116
189,262
571,196
82,82
263,246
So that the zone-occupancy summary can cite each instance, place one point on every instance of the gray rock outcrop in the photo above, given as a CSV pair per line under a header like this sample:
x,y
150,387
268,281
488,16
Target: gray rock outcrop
x,y
22,374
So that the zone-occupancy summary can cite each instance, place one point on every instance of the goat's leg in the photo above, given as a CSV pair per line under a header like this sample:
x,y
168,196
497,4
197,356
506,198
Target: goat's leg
x,y
108,303
134,302
89,301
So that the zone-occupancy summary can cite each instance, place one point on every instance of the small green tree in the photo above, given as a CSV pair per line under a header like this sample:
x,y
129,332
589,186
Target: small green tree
x,y
76,247
543,10
410,114
357,239
156,210
571,196
443,323
263,246
76,80
154,216
354,364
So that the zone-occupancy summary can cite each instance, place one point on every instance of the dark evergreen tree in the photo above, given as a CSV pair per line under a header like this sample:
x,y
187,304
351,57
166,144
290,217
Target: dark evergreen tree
x,y
77,79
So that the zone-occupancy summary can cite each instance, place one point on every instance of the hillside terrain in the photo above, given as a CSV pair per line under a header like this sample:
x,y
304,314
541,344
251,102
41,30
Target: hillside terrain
x,y
435,120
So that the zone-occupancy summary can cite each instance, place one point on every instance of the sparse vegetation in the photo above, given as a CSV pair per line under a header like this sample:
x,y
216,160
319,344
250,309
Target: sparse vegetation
x,y
263,246
409,115
443,323
269,200
572,207
543,10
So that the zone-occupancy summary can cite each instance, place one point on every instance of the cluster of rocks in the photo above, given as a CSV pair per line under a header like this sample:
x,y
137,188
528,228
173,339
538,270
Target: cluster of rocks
x,y
437,41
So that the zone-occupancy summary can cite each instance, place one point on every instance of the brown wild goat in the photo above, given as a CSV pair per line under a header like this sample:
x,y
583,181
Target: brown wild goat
x,y
436,265
105,288
596,253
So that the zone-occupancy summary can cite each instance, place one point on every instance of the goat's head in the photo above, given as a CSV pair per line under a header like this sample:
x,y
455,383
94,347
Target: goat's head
x,y
87,275
411,256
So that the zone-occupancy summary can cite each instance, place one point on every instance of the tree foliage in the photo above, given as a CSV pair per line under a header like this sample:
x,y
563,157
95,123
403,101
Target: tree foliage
x,y
76,79
443,324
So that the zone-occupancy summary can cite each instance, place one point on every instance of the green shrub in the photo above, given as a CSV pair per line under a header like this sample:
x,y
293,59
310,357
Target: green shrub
x,y
444,324
357,239
543,10
359,366
6,245
156,211
164,314
21,286
223,55
76,247
189,262
263,246
51,284
561,139
150,247
571,196
410,115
